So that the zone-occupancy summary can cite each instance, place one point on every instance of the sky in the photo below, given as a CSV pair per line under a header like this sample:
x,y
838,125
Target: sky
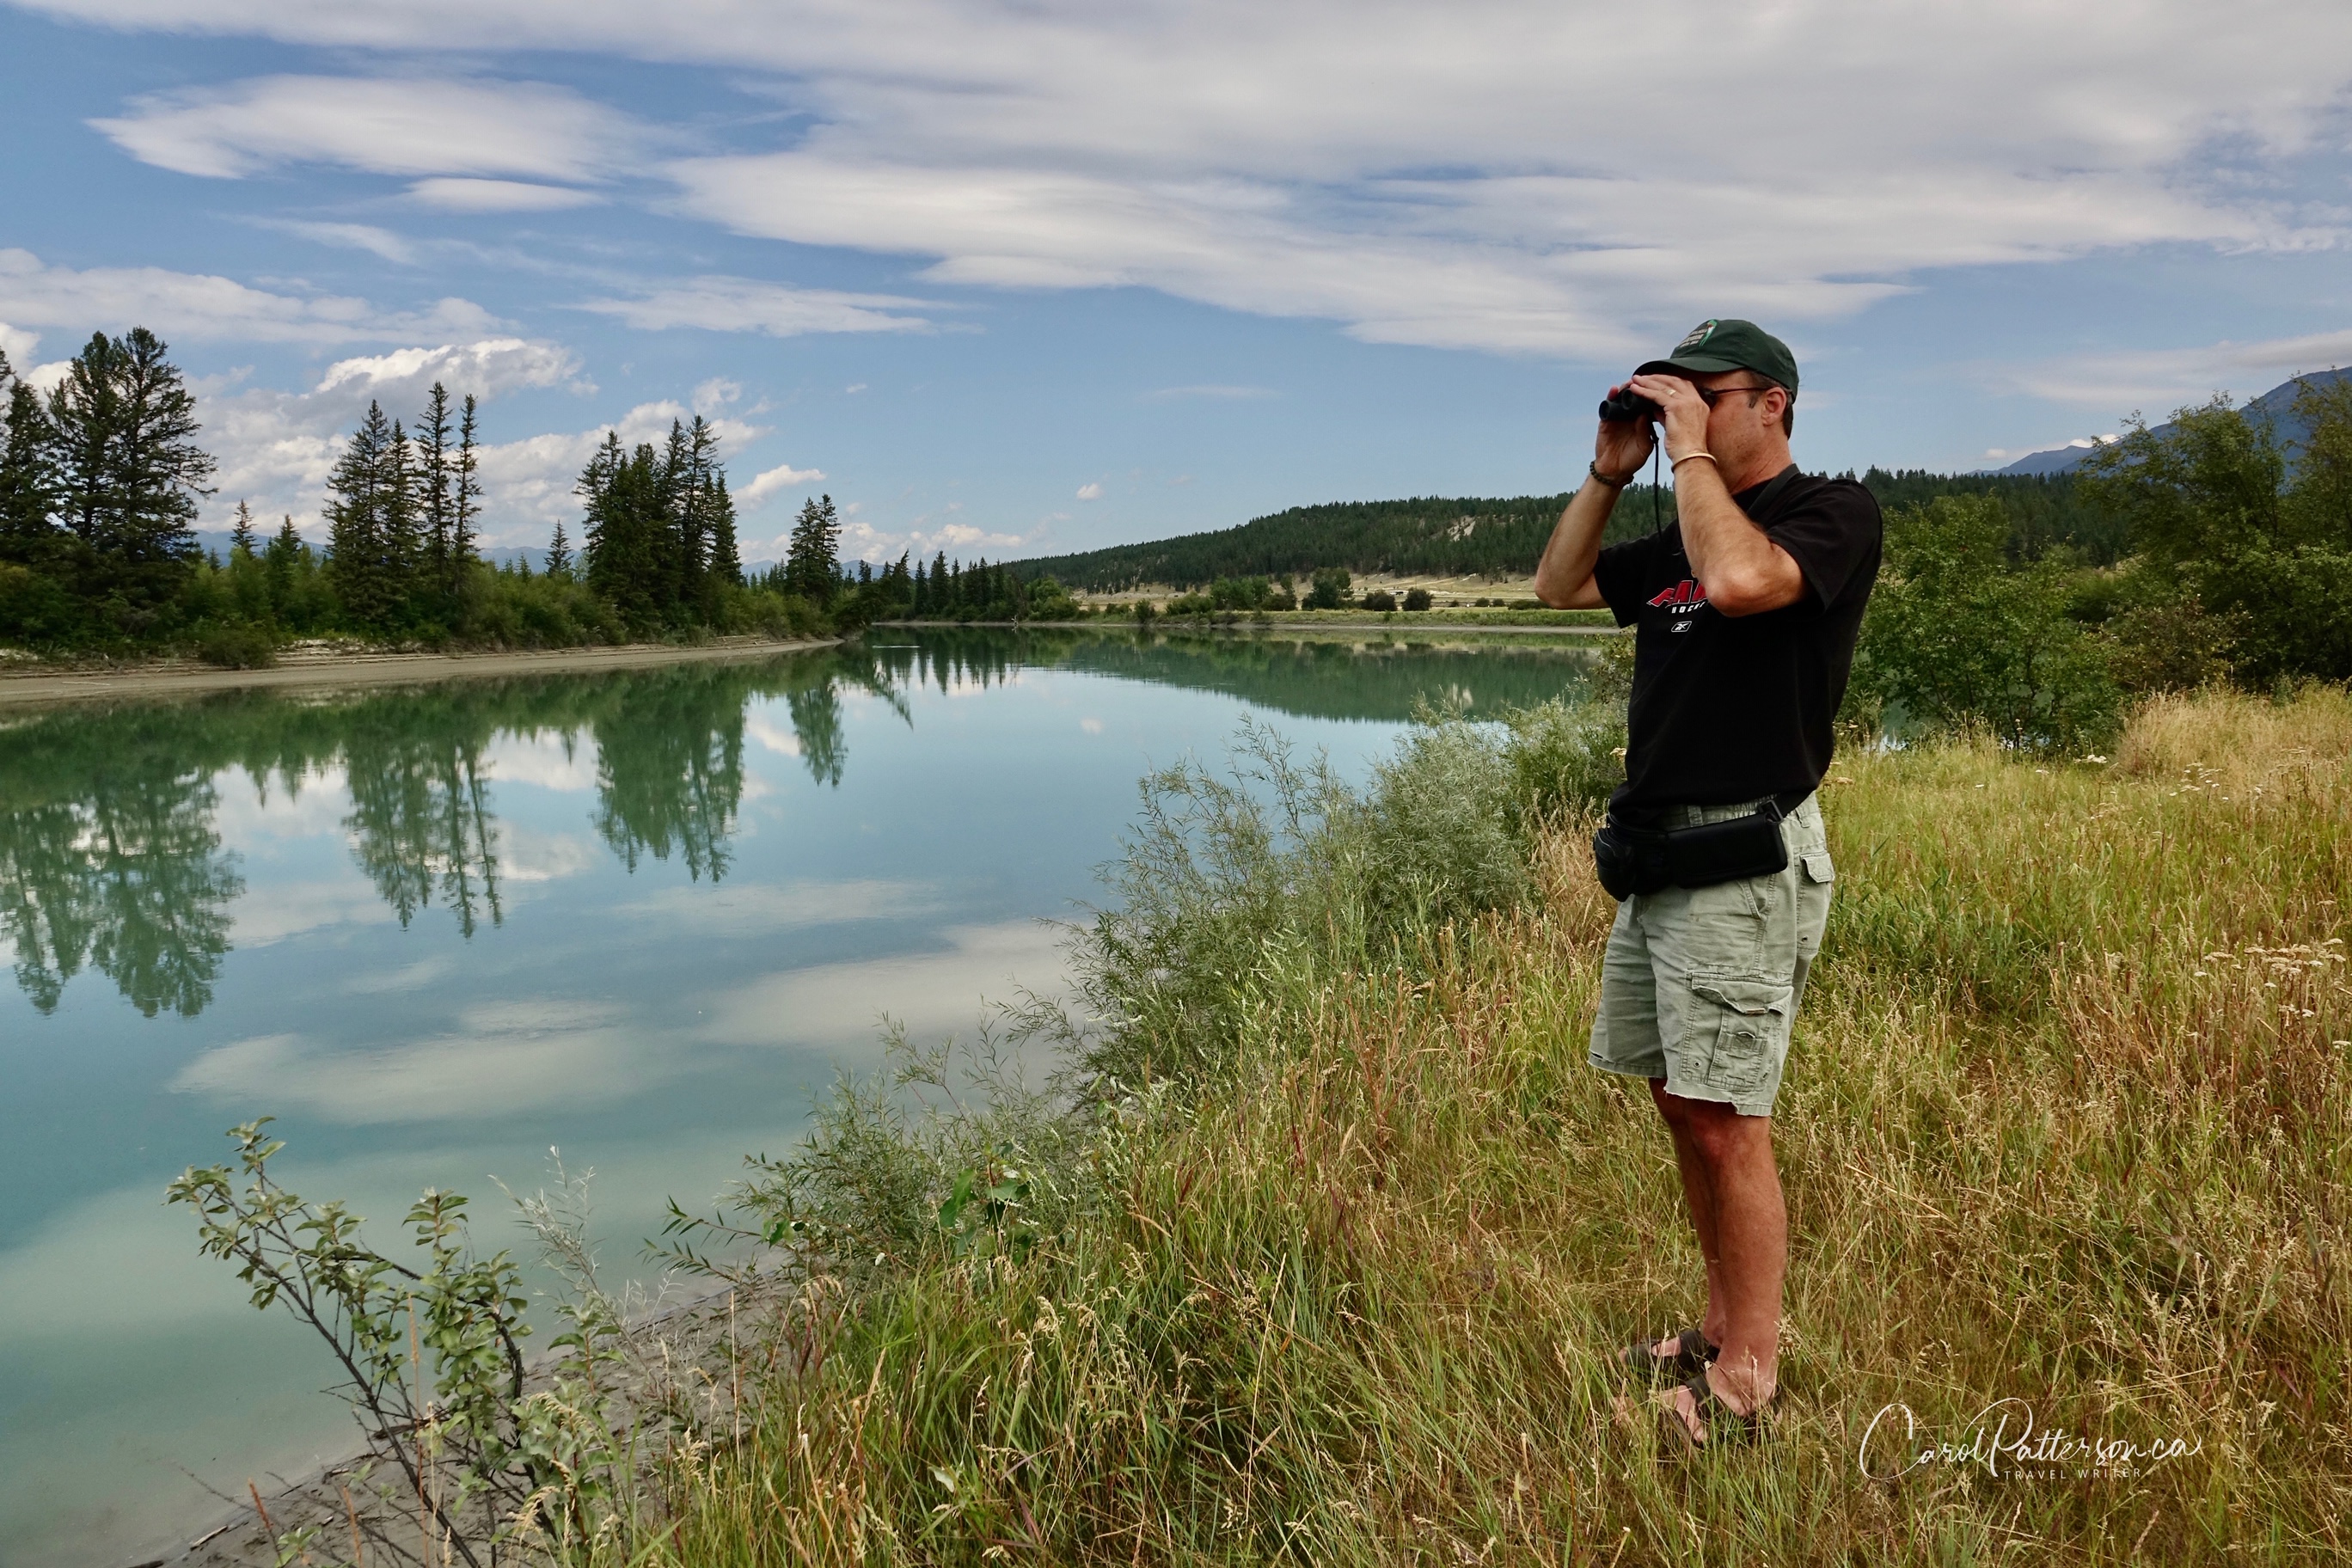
x,y
1010,279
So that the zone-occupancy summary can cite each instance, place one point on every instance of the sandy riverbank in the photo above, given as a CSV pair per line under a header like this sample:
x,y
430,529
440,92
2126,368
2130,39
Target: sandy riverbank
x,y
49,686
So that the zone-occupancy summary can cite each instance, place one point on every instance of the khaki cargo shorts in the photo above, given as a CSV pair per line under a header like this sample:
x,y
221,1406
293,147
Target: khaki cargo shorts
x,y
1700,985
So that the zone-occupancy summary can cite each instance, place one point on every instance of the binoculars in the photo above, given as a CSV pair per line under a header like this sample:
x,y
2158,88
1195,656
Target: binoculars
x,y
1626,404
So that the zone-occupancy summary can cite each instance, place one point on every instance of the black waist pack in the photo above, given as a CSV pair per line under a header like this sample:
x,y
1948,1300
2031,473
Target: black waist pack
x,y
1645,860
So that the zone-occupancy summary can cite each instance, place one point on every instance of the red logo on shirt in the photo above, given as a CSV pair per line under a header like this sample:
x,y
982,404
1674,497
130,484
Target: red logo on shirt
x,y
1685,591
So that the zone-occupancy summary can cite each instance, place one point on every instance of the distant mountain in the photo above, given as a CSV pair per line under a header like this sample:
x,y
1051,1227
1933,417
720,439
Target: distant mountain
x,y
2277,405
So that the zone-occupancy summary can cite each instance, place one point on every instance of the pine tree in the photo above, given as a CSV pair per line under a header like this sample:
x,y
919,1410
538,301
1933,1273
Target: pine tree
x,y
559,552
285,553
812,559
433,489
371,521
624,496
466,501
726,564
122,428
240,534
28,479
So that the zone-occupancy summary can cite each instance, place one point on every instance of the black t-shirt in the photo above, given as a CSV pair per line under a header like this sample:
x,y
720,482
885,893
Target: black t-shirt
x,y
1734,708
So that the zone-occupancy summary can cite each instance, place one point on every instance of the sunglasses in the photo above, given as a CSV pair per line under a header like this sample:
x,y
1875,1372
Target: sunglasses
x,y
1709,395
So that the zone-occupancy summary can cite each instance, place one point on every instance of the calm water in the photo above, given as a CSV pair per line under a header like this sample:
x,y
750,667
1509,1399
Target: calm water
x,y
642,917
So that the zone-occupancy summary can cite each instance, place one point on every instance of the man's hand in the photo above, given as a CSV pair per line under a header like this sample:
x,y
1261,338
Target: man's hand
x,y
1685,412
1621,446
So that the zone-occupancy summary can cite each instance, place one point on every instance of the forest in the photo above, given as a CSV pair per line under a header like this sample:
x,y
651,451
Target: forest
x,y
1473,536
102,477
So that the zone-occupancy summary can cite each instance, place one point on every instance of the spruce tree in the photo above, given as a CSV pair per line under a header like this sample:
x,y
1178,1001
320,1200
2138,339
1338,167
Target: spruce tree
x,y
559,552
676,571
240,534
122,428
371,521
726,564
812,559
624,496
28,479
433,489
465,499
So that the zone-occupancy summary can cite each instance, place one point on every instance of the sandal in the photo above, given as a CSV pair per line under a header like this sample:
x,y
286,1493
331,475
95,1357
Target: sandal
x,y
1690,1355
1717,1418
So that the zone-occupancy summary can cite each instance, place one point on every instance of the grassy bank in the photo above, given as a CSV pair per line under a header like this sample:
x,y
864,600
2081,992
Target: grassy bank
x,y
1320,1243
1334,1271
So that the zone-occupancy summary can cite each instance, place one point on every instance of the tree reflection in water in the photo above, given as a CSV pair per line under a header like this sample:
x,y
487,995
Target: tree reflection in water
x,y
111,855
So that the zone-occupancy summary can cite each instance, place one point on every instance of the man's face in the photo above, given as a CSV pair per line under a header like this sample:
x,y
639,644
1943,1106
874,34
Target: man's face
x,y
1741,422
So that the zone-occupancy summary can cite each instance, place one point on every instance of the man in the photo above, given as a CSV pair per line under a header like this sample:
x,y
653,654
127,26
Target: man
x,y
1745,611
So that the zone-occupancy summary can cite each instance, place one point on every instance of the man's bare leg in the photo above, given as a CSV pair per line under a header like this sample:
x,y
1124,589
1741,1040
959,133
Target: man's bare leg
x,y
1699,1197
1737,1170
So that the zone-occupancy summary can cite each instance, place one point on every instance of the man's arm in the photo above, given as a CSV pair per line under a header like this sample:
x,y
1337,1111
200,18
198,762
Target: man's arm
x,y
1743,572
1564,574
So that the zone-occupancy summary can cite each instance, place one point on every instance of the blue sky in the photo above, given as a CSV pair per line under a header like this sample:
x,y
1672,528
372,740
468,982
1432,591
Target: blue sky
x,y
1012,279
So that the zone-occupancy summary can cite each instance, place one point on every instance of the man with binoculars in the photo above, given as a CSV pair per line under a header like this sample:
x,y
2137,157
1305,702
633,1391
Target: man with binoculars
x,y
1745,609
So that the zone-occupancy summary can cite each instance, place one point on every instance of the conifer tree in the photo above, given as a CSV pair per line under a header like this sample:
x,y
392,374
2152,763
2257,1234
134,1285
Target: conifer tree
x,y
122,428
559,552
726,564
466,501
623,492
432,489
811,558
279,563
240,534
370,550
27,480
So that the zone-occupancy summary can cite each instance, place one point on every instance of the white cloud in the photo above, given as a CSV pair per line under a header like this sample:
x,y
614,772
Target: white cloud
x,y
365,237
466,195
275,449
382,125
1090,491
748,305
527,483
2157,381
764,487
1480,174
196,305
18,345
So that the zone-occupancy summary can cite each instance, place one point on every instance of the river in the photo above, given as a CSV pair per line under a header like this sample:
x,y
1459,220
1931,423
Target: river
x,y
641,917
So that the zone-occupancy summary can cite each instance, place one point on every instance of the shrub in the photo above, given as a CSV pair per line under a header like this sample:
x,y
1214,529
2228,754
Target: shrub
x,y
1379,599
1416,599
1957,637
1566,760
238,645
1330,590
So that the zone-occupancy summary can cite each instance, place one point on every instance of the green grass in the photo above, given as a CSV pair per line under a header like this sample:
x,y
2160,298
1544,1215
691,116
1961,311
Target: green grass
x,y
1341,1238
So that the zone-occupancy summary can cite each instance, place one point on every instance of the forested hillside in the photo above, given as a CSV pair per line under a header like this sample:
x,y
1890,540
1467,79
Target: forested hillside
x,y
1501,538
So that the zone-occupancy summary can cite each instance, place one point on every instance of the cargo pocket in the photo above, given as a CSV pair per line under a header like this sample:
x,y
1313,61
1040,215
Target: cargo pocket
x,y
1817,866
1752,1030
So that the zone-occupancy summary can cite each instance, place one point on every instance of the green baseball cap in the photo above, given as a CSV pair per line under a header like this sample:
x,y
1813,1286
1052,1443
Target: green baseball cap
x,y
1723,346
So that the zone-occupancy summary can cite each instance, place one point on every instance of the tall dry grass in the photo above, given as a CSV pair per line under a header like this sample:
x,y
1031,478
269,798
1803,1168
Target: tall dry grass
x,y
2065,1124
